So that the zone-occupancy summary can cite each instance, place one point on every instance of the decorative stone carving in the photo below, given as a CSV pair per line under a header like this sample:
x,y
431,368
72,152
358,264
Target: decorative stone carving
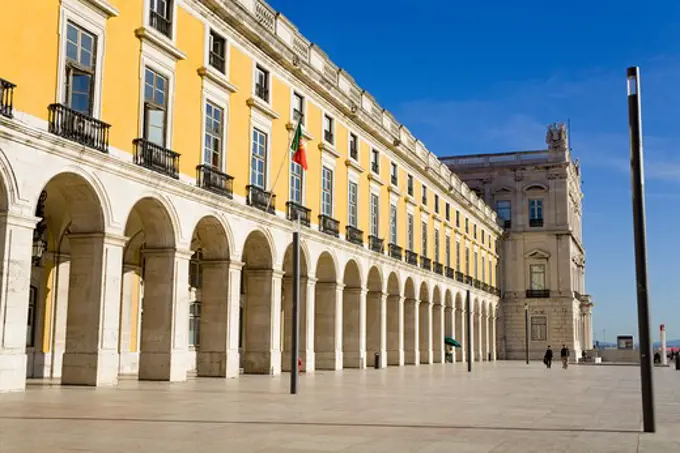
x,y
556,137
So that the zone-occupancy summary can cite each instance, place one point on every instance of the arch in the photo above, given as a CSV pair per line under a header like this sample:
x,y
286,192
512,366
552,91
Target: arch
x,y
393,284
374,281
258,250
448,298
326,268
217,222
351,276
437,326
326,300
8,183
395,352
287,305
150,214
211,236
436,295
424,294
288,260
352,344
409,288
535,186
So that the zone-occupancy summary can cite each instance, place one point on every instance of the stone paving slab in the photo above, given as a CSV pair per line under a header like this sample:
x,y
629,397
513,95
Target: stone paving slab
x,y
500,407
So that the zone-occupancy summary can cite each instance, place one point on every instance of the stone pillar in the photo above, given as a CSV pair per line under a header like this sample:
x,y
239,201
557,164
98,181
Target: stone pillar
x,y
478,333
494,354
128,362
383,330
216,311
460,331
469,318
438,333
93,320
411,334
307,313
395,330
354,328
16,242
425,333
304,325
59,311
165,316
376,325
486,350
328,326
450,329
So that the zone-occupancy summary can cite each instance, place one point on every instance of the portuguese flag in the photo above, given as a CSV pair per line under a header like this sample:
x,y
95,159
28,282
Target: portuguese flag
x,y
298,148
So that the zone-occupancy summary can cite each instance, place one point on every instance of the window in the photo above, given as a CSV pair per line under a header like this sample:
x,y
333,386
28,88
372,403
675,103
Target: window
x,y
160,16
195,324
409,231
375,161
448,251
467,225
537,276
258,159
262,83
457,219
80,69
212,148
458,256
436,245
375,215
155,107
467,260
436,204
295,181
504,210
474,231
490,274
328,129
327,192
448,212
298,108
483,269
424,195
394,174
217,52
423,244
409,185
353,147
32,314
393,224
475,257
483,236
539,328
352,197
535,212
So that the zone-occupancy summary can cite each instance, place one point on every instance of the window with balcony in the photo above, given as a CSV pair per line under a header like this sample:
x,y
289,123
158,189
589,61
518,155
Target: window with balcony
x,y
436,204
436,245
160,16
424,195
457,219
504,211
537,277
536,213
448,212
298,108
375,215
483,236
467,260
327,192
217,56
375,161
352,197
539,328
353,147
394,174
328,129
483,270
448,251
212,148
423,244
393,224
80,69
295,182
475,264
467,225
262,83
155,107
458,256
409,231
409,185
474,231
258,159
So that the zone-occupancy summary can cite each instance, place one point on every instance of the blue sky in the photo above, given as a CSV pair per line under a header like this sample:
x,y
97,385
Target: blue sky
x,y
488,76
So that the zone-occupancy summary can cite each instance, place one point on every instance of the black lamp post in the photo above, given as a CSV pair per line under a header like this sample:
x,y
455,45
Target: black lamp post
x,y
526,331
39,241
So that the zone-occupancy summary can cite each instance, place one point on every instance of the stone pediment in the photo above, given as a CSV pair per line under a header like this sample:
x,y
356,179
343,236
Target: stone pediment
x,y
502,190
536,187
537,254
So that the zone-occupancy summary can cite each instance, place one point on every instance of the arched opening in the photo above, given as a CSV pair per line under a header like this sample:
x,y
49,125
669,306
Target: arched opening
x,y
460,315
485,331
449,325
353,313
411,351
260,352
327,309
211,319
374,314
425,325
153,300
287,308
437,326
395,322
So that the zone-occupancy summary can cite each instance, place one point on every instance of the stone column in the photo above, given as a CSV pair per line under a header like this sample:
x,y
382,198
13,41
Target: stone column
x,y
328,326
411,332
16,242
307,313
128,362
452,326
354,328
59,303
383,330
288,322
478,333
376,324
213,357
165,316
395,330
93,320
485,338
469,318
493,339
438,333
425,333
460,331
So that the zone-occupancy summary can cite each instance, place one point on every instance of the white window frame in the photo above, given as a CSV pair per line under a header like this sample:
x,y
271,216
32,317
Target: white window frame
x,y
227,50
531,275
223,138
349,146
410,231
538,338
375,152
447,250
264,124
374,226
332,191
267,157
394,225
170,77
355,224
333,125
305,103
436,245
542,207
290,180
423,238
147,21
270,83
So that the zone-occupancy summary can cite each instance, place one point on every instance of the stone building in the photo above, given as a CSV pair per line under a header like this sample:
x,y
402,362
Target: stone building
x,y
148,200
537,196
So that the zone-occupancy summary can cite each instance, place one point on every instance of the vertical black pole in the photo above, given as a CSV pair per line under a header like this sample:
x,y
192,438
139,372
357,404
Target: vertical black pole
x,y
468,334
637,182
296,315
526,331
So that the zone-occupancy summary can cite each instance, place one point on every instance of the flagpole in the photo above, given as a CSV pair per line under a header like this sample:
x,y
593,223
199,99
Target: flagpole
x,y
283,161
295,343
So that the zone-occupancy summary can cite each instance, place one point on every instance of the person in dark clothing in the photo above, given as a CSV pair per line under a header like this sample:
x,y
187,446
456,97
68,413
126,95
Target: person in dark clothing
x,y
547,358
564,355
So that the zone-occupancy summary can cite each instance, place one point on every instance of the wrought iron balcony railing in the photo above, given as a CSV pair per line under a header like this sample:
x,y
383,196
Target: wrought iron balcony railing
x,y
449,272
459,277
157,158
375,167
160,23
411,257
469,280
7,98
261,199
328,136
538,293
507,224
476,283
485,287
354,235
438,268
295,211
535,222
425,263
217,61
78,127
354,152
376,244
210,178
395,251
329,225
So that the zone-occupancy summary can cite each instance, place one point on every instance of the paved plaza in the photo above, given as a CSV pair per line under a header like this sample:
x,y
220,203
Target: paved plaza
x,y
500,407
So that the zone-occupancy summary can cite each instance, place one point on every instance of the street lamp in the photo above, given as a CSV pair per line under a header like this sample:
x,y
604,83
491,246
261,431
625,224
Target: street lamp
x,y
526,331
39,241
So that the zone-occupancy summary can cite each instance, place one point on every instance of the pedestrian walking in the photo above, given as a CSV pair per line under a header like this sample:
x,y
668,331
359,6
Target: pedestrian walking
x,y
547,358
564,355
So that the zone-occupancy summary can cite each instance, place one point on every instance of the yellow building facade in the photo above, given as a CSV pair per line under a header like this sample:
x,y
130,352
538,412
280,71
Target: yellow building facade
x,y
149,192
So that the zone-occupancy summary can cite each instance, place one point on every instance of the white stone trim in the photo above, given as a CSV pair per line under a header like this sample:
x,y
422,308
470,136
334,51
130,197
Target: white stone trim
x,y
156,62
223,103
264,125
353,166
255,103
328,150
147,11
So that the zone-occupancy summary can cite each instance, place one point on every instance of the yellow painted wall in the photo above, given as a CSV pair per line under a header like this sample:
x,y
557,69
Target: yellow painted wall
x,y
279,151
134,313
313,173
340,188
364,188
28,54
239,131
47,284
188,109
